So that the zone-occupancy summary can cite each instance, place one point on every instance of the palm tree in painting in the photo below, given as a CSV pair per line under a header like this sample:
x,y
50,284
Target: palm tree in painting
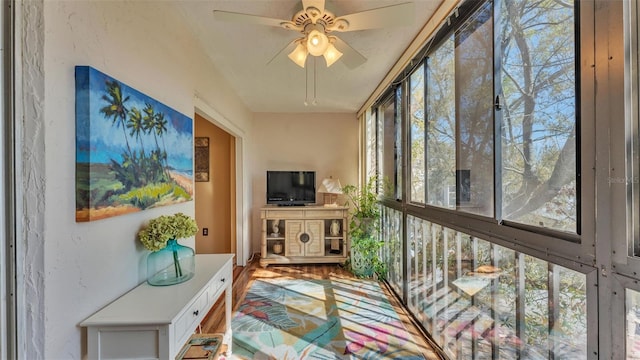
x,y
160,129
136,126
116,108
151,122
150,126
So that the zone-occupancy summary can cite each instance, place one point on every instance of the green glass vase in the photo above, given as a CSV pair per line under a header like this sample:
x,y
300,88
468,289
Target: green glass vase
x,y
172,265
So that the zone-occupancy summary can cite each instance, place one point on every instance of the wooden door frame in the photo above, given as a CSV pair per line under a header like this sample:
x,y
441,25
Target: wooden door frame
x,y
242,243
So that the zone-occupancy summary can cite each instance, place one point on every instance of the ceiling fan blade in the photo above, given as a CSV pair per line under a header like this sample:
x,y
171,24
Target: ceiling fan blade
x,y
393,15
288,48
316,4
250,19
350,56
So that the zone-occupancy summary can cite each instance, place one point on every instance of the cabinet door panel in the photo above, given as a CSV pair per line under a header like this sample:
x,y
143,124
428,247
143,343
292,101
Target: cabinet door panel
x,y
294,246
315,229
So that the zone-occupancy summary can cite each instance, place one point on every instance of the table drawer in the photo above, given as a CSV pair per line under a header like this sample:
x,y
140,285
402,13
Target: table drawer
x,y
191,317
284,214
220,281
323,214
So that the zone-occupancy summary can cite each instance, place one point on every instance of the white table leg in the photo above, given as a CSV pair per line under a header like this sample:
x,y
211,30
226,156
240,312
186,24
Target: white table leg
x,y
228,337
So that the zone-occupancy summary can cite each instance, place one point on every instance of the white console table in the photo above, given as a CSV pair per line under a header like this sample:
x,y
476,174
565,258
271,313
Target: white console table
x,y
154,322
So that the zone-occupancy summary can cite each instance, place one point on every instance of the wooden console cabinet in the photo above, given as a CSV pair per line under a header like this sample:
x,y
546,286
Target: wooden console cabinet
x,y
154,322
304,235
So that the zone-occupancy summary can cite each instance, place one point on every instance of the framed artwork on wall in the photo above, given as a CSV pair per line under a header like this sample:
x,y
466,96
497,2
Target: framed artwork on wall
x,y
201,151
132,152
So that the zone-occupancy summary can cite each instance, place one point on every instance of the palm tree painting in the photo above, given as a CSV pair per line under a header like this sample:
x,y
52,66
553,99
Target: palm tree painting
x,y
132,152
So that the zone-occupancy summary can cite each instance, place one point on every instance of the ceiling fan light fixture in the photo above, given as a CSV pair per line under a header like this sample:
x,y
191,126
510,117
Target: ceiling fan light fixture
x,y
299,54
317,43
331,55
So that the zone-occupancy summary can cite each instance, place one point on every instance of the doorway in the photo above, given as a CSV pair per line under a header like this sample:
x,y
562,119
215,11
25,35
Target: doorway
x,y
215,200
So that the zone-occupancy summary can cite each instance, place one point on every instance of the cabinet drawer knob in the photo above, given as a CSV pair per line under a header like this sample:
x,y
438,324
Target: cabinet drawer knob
x,y
223,279
195,313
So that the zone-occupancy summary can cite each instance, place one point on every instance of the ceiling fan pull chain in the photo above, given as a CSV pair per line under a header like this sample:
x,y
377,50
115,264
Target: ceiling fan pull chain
x,y
306,86
315,101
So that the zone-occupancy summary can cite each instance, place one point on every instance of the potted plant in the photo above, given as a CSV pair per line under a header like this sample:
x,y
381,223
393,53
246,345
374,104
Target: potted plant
x,y
365,260
169,263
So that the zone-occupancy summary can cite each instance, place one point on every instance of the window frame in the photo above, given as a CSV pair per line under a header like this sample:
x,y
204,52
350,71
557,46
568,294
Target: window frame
x,y
579,42
623,259
579,247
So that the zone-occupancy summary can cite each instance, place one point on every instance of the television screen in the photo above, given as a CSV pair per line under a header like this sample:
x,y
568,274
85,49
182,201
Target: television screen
x,y
291,187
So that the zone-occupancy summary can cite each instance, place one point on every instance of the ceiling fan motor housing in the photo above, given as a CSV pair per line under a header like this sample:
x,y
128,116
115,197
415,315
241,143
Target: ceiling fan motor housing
x,y
313,16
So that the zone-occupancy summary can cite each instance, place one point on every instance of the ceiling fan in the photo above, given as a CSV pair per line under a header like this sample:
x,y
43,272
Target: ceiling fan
x,y
317,24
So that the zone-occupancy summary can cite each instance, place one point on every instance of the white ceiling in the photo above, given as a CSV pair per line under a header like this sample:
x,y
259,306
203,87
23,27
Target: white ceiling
x,y
242,53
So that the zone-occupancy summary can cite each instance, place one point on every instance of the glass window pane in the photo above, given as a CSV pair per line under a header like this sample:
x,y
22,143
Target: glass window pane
x,y
441,130
474,80
569,331
379,144
632,46
415,256
539,113
416,134
392,249
481,300
370,144
389,151
421,281
633,324
536,302
398,143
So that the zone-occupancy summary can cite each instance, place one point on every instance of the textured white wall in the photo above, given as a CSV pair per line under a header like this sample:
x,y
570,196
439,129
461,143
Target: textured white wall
x,y
73,269
322,142
70,270
30,179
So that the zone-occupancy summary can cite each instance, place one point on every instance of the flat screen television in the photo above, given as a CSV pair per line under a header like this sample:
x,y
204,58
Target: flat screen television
x,y
291,188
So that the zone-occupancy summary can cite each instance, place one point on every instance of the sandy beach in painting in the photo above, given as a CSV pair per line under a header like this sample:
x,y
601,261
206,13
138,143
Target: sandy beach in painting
x,y
104,212
184,181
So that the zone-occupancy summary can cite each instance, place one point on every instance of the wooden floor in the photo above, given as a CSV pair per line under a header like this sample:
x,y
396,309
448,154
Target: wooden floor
x,y
243,278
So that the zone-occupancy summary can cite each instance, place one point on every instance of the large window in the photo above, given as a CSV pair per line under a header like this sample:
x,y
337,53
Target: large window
x,y
479,300
538,62
460,135
521,228
388,121
370,144
416,133
492,146
475,145
459,95
397,122
441,126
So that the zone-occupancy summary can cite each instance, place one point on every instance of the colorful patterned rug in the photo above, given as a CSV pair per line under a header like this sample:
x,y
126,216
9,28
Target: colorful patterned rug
x,y
319,319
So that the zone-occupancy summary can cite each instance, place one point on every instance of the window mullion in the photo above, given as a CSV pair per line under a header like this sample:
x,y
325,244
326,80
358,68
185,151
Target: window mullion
x,y
497,112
